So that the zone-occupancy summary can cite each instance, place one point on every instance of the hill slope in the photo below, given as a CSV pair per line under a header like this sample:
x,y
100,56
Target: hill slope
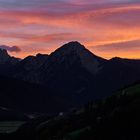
x,y
117,117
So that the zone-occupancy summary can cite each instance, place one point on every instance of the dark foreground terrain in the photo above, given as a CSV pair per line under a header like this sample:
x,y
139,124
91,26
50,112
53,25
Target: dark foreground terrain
x,y
115,118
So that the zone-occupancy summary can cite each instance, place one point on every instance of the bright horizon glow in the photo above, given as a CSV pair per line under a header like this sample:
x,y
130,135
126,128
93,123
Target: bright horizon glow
x,y
108,28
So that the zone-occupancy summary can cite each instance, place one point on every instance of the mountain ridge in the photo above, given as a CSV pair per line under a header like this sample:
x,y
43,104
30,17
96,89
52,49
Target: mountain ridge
x,y
76,43
77,75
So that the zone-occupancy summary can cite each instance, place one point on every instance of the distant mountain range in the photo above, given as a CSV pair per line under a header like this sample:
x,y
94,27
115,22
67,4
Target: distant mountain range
x,y
67,78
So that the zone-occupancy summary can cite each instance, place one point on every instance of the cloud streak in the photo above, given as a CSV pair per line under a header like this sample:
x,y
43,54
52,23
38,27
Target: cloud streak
x,y
120,46
131,48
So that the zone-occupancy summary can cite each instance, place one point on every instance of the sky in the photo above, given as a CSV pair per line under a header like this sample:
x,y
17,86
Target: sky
x,y
108,28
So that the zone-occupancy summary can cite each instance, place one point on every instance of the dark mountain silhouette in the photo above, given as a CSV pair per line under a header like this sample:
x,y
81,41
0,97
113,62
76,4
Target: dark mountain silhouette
x,y
72,74
6,61
78,73
28,68
5,58
116,74
71,69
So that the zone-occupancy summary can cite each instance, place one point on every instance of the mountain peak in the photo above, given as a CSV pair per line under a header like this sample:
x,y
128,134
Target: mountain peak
x,y
3,52
74,45
74,52
4,56
71,48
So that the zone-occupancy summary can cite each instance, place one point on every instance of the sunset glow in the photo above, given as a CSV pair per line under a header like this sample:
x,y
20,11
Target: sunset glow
x,y
108,28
